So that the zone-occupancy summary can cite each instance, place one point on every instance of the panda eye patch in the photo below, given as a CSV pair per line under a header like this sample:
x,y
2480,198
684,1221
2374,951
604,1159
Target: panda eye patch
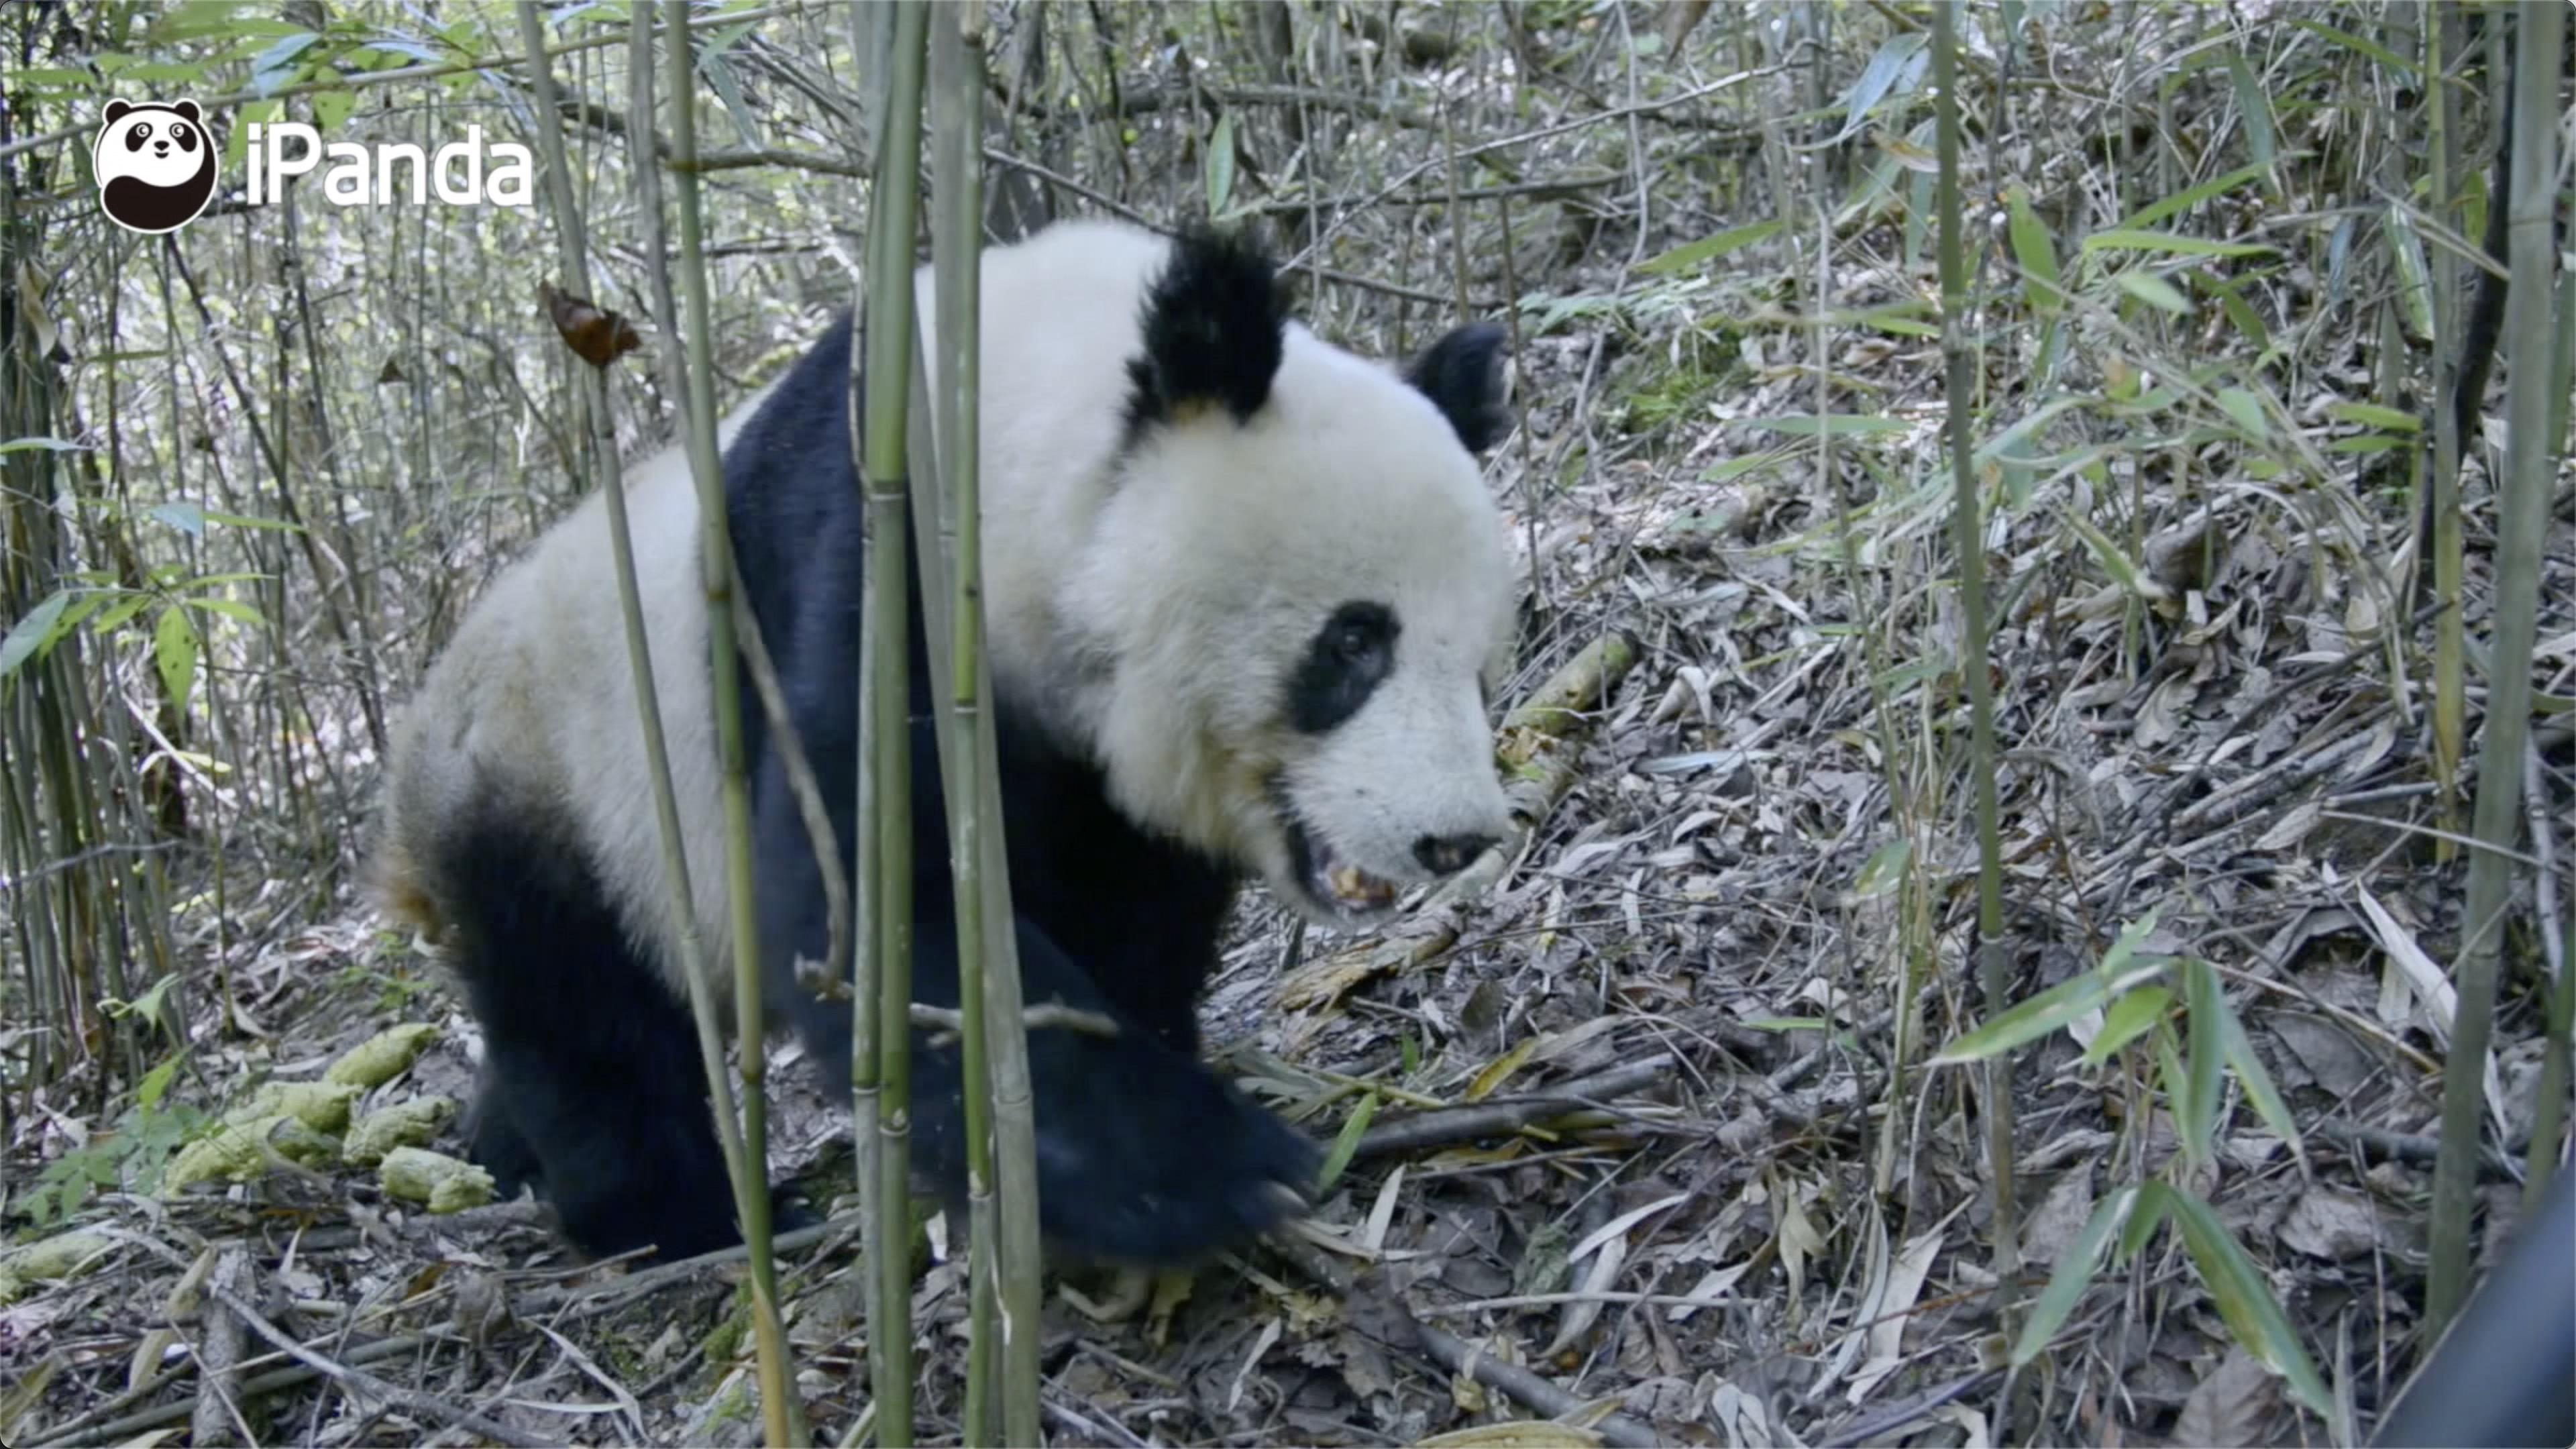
x,y
135,138
1344,663
186,138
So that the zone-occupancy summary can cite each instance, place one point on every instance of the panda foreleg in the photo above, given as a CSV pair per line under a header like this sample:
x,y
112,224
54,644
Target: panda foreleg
x,y
495,1143
592,1088
1145,1157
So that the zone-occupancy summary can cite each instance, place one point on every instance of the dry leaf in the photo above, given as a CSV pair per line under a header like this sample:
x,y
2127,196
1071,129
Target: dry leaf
x,y
2229,1405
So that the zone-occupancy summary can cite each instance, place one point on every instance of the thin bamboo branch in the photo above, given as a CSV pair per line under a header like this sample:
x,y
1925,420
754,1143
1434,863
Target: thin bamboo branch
x,y
1987,945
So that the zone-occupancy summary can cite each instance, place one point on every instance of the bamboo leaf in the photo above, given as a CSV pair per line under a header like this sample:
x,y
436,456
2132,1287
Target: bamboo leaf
x,y
188,518
1900,60
2038,1016
2372,415
33,634
2378,53
2035,253
2197,1118
2182,201
2172,243
1883,871
1347,1144
332,107
174,653
2113,559
1709,248
2124,947
2245,1300
2252,1076
2155,291
2254,105
2246,411
233,609
2144,1218
1839,425
1500,1069
2073,1274
2132,1016
2245,318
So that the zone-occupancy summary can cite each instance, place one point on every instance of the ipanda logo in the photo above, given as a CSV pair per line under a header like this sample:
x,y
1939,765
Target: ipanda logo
x,y
156,167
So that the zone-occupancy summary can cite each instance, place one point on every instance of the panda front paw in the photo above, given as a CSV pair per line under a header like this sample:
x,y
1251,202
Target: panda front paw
x,y
1145,1158
1155,1162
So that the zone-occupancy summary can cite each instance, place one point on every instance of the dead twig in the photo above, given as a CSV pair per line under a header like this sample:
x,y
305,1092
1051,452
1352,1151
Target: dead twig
x,y
1460,1357
1449,1125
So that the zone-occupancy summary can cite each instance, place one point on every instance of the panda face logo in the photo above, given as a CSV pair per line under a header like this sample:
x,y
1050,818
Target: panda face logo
x,y
155,165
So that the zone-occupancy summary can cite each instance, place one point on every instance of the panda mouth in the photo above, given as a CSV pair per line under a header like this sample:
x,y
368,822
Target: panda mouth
x,y
1342,890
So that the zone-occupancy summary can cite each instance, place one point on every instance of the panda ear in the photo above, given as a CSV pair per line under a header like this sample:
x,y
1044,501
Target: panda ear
x,y
1213,325
187,109
1462,374
116,109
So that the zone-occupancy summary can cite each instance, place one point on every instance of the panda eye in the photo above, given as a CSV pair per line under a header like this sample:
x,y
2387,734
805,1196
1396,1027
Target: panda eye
x,y
135,138
1344,662
186,138
1355,641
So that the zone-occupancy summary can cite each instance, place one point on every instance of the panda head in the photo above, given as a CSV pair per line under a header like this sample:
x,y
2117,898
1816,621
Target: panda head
x,y
1298,596
155,164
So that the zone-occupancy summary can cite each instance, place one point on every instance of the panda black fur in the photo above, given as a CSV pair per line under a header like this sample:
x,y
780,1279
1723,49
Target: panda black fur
x,y
155,164
1244,592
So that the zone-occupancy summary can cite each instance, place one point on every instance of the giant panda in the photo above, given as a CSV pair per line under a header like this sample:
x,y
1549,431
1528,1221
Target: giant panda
x,y
1246,597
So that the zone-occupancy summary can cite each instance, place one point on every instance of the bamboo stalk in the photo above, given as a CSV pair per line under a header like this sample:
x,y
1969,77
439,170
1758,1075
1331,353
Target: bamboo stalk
x,y
2450,685
955,257
1014,1111
1987,950
781,1411
1000,1121
675,862
2522,519
882,1072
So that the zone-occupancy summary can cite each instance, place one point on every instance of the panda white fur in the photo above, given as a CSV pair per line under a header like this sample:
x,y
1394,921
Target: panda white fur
x,y
155,164
1245,594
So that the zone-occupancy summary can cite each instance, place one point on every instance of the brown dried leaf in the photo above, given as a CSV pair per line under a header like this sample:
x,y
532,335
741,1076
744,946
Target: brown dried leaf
x,y
595,334
2229,1404
2331,1224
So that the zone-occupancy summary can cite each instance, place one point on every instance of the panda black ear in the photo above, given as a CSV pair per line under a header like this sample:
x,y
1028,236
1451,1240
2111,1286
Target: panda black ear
x,y
1213,326
1462,374
187,109
116,109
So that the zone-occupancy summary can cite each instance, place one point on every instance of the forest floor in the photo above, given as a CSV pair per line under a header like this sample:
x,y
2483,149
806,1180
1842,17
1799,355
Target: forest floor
x,y
1710,1191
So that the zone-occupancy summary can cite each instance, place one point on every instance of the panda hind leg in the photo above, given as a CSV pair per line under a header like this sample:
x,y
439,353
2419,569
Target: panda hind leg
x,y
592,1091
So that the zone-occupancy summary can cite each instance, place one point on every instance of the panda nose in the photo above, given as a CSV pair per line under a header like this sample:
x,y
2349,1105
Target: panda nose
x,y
1450,854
